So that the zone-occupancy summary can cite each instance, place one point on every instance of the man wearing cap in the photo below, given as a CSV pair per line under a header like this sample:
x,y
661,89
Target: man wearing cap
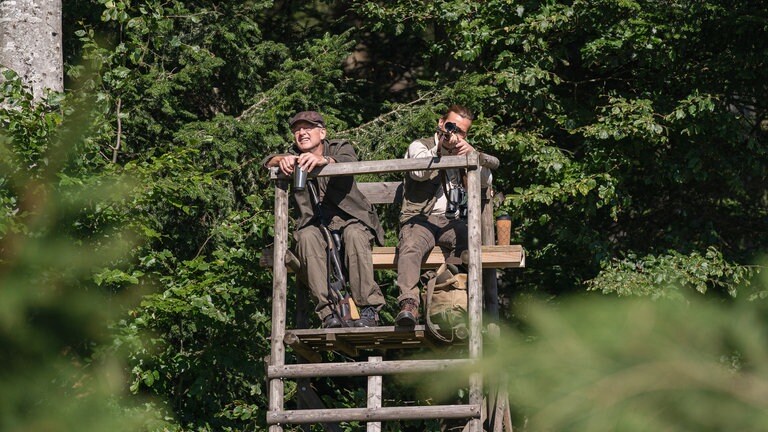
x,y
345,208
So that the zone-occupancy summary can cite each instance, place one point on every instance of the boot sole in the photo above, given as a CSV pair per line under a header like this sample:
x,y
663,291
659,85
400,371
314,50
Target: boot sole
x,y
332,324
366,324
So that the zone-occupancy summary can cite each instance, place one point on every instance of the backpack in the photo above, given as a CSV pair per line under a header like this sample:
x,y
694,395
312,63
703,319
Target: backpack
x,y
445,303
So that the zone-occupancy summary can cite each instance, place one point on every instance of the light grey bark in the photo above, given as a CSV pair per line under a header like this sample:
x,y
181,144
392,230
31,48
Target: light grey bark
x,y
30,43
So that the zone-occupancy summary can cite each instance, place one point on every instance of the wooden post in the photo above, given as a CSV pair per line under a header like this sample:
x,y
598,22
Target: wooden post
x,y
279,290
374,395
475,287
490,286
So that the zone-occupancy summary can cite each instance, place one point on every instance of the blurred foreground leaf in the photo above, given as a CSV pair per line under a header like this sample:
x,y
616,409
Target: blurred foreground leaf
x,y
52,313
599,363
637,365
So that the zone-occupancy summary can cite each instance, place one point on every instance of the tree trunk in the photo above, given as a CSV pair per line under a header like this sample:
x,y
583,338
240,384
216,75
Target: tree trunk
x,y
30,43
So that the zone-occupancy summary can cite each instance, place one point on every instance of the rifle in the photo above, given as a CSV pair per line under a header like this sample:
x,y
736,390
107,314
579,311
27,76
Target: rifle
x,y
342,304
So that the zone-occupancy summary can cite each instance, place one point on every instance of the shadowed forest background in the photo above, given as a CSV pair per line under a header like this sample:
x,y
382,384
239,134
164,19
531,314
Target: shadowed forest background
x,y
633,140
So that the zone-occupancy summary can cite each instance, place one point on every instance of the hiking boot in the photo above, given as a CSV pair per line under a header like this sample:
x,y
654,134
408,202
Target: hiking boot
x,y
331,321
409,314
369,317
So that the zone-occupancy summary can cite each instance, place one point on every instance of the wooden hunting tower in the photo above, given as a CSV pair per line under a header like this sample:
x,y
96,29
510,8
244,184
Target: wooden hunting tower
x,y
486,410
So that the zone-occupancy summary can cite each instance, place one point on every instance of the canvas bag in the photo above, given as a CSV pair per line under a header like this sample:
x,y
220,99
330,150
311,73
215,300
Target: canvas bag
x,y
445,303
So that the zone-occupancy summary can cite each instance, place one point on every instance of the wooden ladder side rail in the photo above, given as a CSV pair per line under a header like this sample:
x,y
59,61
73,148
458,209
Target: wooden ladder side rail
x,y
474,292
279,299
276,414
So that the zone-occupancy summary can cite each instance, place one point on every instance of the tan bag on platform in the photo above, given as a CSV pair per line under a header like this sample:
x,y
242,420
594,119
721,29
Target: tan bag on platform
x,y
445,301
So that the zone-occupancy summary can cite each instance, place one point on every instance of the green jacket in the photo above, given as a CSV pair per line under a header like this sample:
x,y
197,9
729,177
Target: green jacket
x,y
339,195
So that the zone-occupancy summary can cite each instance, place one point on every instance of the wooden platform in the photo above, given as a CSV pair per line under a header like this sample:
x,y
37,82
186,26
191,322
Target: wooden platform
x,y
351,340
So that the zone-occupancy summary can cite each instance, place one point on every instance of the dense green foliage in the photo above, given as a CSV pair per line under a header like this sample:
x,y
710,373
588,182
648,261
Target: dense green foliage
x,y
633,137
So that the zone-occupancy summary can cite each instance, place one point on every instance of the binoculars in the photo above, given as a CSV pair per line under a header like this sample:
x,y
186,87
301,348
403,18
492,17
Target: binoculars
x,y
450,127
457,203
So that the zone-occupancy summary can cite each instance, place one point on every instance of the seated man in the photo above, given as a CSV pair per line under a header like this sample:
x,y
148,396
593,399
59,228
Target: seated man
x,y
344,208
430,213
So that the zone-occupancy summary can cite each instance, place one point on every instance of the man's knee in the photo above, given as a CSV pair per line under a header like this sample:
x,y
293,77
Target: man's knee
x,y
308,235
415,241
357,238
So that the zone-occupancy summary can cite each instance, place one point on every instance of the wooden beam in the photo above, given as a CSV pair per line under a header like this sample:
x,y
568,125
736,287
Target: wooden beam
x,y
490,283
387,166
364,338
505,256
340,344
386,258
382,192
377,414
302,349
488,161
391,367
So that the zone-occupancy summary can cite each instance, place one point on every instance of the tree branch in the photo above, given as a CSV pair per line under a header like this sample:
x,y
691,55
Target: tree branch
x,y
116,148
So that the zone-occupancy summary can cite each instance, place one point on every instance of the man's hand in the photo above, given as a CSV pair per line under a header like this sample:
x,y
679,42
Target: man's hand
x,y
462,148
455,145
309,161
287,164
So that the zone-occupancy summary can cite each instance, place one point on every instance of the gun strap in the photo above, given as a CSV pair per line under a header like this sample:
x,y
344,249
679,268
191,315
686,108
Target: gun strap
x,y
444,182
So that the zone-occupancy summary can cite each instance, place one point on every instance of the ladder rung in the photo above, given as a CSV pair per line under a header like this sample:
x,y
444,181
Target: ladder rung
x,y
373,414
364,368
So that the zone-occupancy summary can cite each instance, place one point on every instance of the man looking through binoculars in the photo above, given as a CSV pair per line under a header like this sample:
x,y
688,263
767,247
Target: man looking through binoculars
x,y
434,204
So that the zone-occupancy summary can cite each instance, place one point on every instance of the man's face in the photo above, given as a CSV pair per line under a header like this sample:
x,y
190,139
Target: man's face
x,y
307,135
463,125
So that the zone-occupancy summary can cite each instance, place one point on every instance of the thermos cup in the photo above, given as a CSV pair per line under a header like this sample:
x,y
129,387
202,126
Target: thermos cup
x,y
299,178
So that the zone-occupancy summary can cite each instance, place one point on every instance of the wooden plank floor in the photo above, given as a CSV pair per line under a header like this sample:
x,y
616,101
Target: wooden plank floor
x,y
352,340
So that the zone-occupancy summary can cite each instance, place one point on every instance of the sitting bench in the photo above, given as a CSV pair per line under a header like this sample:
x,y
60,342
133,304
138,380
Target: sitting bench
x,y
385,257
